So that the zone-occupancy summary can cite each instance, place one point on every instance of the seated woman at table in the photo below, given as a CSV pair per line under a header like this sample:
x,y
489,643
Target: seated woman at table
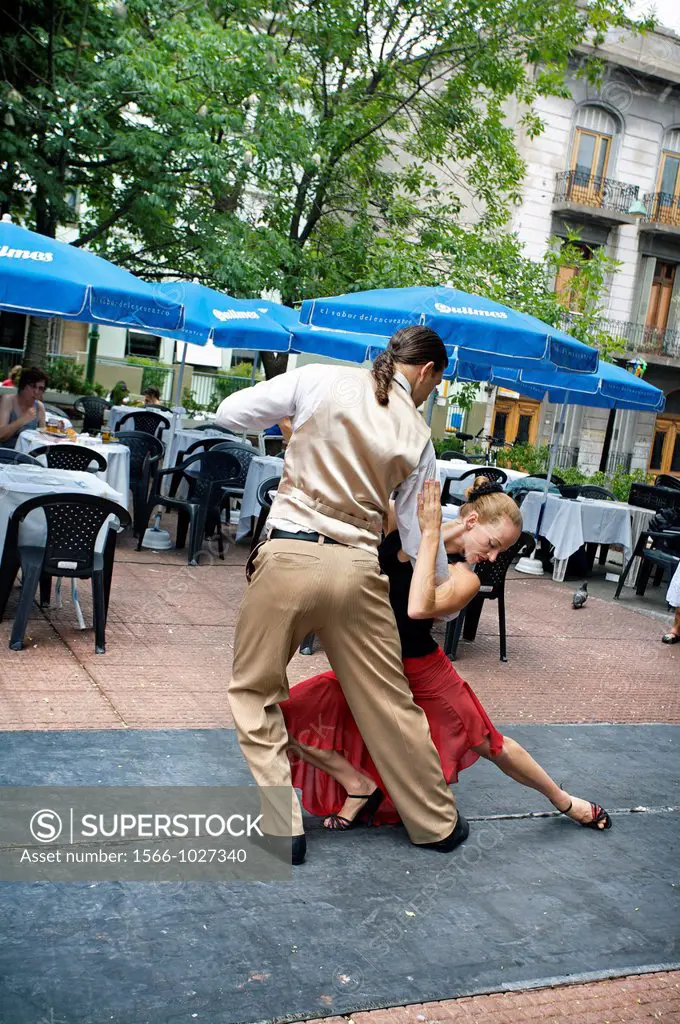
x,y
329,760
23,411
152,396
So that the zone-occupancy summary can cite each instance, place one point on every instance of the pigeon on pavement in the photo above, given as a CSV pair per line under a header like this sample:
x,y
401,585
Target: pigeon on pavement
x,y
580,596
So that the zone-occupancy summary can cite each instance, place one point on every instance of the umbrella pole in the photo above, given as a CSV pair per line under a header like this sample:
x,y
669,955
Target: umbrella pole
x,y
176,410
429,410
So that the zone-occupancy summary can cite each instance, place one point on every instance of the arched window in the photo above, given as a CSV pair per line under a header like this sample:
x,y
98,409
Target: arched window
x,y
591,153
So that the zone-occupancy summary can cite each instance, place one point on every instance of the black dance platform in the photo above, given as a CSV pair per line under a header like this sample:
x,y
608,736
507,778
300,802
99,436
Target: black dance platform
x,y
369,920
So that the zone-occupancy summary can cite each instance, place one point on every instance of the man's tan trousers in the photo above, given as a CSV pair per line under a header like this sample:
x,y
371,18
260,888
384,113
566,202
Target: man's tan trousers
x,y
337,592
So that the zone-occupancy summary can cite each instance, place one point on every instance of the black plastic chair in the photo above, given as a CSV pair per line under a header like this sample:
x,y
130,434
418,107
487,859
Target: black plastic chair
x,y
595,491
200,511
492,473
184,453
557,480
73,524
492,577
92,408
453,456
265,503
146,457
664,480
72,456
10,456
663,553
144,421
646,496
245,453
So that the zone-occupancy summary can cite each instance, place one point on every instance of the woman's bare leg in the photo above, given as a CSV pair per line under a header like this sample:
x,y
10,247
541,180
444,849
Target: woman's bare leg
x,y
340,769
516,762
675,628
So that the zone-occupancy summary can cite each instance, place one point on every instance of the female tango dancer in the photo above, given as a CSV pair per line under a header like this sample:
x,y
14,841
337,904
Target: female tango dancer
x,y
329,760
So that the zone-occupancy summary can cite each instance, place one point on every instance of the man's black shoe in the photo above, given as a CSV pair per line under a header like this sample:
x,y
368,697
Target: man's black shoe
x,y
299,849
290,850
458,836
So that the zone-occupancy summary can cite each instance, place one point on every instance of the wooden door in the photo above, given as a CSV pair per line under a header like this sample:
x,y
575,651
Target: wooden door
x,y
590,157
665,453
667,205
516,420
660,298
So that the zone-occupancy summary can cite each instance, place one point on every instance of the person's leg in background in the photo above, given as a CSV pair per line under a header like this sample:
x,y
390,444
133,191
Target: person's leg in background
x,y
673,634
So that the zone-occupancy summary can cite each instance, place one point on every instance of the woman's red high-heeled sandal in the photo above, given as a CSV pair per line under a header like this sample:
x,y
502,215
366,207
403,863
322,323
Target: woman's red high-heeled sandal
x,y
599,814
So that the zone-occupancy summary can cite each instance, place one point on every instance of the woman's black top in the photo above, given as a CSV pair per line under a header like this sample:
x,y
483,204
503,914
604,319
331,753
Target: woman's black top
x,y
415,634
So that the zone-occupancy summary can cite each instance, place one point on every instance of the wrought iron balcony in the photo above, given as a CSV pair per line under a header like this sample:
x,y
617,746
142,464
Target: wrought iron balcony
x,y
566,456
592,190
618,461
634,337
662,208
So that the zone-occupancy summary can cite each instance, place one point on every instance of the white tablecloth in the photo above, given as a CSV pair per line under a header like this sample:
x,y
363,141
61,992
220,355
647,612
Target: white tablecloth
x,y
185,437
455,470
673,595
568,524
20,483
117,412
117,473
261,467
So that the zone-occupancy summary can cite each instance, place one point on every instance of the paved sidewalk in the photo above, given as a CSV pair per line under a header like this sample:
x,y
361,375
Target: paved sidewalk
x,y
170,646
169,653
636,1000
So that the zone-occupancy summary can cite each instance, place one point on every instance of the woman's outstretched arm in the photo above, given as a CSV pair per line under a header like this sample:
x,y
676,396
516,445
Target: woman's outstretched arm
x,y
427,600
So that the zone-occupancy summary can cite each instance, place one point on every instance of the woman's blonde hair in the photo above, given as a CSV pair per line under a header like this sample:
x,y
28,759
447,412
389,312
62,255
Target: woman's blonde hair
x,y
490,503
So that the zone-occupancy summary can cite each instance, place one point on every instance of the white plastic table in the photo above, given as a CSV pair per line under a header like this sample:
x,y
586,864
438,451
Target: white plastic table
x,y
570,523
117,473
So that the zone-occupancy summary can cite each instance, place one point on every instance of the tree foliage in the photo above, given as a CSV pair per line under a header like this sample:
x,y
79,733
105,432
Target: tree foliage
x,y
304,145
308,147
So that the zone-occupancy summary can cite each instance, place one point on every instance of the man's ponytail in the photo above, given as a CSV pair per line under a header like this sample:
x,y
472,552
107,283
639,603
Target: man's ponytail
x,y
412,346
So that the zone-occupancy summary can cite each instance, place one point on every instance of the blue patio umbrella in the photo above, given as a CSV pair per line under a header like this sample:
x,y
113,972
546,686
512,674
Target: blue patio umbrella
x,y
480,329
610,387
213,316
40,276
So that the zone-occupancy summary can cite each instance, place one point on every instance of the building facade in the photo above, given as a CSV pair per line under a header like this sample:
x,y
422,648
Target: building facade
x,y
607,166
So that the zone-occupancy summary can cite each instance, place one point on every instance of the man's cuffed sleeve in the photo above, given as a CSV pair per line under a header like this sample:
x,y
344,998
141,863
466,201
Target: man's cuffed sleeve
x,y
261,406
406,511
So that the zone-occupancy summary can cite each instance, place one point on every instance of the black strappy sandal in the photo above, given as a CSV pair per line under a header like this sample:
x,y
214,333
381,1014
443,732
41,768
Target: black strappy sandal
x,y
599,814
363,817
670,638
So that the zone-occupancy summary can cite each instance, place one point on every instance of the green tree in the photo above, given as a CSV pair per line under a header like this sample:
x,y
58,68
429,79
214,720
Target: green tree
x,y
307,147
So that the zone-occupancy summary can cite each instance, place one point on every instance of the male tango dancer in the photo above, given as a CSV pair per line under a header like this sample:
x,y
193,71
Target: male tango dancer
x,y
357,437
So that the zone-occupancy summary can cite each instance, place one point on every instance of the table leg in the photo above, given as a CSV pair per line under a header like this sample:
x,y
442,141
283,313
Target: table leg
x,y
559,569
638,522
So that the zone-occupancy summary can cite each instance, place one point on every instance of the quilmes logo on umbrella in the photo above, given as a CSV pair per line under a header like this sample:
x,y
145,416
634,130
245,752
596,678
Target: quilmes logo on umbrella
x,y
25,254
237,314
497,314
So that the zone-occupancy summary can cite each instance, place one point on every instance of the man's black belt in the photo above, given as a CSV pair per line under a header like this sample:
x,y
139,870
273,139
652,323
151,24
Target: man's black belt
x,y
316,538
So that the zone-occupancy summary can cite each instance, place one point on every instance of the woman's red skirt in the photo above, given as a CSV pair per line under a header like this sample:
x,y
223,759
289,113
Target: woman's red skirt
x,y
317,715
